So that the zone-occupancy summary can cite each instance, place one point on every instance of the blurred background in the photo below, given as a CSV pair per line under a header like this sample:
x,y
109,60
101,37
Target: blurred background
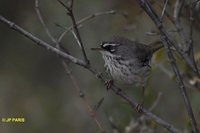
x,y
35,86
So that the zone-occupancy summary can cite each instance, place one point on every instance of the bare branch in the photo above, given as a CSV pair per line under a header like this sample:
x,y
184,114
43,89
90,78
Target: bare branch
x,y
181,86
42,21
138,123
65,6
71,4
78,88
187,45
177,14
145,112
187,51
164,9
178,8
165,70
42,43
67,69
97,106
86,19
171,18
167,42
115,89
155,103
76,38
191,26
71,15
113,125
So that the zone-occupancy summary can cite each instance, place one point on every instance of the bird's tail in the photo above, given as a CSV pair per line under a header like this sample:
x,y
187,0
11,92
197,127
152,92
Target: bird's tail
x,y
156,46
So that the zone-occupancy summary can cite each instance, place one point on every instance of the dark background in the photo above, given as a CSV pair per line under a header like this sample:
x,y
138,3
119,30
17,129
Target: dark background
x,y
34,85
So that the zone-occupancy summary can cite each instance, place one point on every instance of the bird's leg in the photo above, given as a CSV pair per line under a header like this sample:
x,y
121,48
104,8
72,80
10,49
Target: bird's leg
x,y
143,95
140,105
109,84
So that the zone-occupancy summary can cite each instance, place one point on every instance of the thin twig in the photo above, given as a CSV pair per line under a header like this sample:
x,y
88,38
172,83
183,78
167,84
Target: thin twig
x,y
71,4
42,43
171,18
84,20
191,25
66,6
137,123
71,15
165,70
42,21
77,61
178,8
67,69
187,51
168,42
164,9
78,88
155,103
145,112
177,14
181,86
187,45
113,125
76,38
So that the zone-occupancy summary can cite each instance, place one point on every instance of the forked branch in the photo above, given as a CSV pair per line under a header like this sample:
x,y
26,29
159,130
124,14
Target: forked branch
x,y
67,69
71,15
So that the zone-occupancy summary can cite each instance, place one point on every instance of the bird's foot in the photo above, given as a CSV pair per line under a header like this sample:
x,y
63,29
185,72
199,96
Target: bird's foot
x,y
109,84
139,108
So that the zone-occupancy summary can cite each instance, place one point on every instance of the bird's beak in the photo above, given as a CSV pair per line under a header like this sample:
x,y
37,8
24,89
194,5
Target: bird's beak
x,y
97,49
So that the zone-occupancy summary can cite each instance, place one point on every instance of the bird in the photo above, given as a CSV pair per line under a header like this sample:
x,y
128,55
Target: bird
x,y
126,60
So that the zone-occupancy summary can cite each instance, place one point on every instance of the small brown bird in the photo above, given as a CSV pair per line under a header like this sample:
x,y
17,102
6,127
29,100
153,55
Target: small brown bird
x,y
127,60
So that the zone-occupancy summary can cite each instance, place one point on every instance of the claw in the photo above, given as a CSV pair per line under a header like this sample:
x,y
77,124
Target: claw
x,y
109,84
139,108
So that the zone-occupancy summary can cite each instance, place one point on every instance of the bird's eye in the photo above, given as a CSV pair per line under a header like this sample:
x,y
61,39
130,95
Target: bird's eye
x,y
109,47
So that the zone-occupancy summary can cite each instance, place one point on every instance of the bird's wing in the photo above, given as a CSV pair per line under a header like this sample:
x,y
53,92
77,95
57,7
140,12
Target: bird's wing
x,y
143,53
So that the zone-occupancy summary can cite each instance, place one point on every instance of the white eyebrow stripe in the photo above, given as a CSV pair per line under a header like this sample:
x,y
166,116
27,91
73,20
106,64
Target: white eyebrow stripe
x,y
110,44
